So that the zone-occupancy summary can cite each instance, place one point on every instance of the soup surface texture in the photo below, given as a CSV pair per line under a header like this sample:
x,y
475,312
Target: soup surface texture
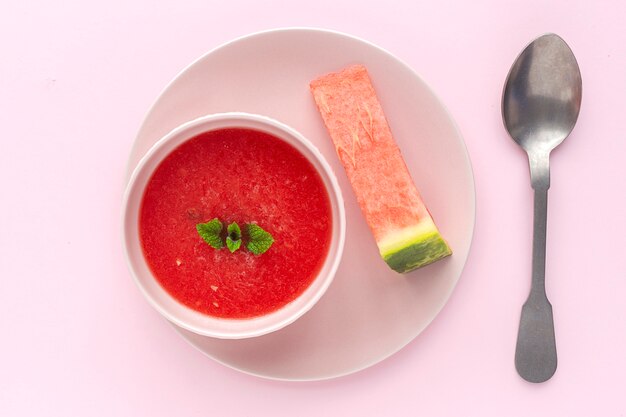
x,y
243,176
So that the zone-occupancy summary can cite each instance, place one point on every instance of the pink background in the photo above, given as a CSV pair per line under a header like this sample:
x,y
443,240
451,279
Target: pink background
x,y
79,339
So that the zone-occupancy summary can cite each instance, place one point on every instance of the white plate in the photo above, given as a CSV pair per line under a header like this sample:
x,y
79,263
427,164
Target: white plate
x,y
369,312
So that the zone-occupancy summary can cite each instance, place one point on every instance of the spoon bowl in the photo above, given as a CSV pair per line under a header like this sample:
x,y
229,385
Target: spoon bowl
x,y
542,95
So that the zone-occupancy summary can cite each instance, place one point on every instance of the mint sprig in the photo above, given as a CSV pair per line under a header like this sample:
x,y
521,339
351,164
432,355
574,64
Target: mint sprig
x,y
260,240
233,240
210,233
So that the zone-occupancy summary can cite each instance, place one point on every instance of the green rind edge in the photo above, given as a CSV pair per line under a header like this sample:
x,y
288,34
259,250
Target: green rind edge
x,y
426,249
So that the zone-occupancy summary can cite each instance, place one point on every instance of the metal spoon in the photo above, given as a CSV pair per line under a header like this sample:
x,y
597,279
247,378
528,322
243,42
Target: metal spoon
x,y
540,106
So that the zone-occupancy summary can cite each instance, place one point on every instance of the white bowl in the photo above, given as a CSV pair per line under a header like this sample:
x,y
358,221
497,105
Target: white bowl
x,y
186,317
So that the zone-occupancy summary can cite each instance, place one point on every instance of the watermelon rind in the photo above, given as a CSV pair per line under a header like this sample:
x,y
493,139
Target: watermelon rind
x,y
414,247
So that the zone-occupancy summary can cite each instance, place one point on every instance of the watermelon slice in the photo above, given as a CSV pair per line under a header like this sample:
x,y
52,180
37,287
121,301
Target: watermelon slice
x,y
405,233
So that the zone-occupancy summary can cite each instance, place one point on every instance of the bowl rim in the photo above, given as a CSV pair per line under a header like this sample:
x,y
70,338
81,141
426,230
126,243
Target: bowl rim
x,y
235,119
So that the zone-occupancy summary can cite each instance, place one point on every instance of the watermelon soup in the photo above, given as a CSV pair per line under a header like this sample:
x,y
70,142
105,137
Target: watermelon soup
x,y
244,176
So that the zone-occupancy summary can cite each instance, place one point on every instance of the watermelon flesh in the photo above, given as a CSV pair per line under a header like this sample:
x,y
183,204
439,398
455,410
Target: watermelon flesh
x,y
404,230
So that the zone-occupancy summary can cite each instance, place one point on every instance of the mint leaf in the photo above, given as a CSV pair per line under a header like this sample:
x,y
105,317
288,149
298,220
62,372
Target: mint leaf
x,y
234,231
232,245
260,240
210,232
233,240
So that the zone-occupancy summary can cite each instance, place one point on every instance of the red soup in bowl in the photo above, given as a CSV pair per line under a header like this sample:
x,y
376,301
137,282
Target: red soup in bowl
x,y
243,176
243,169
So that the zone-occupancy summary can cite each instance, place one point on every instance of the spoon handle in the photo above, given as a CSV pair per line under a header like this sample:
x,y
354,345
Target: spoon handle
x,y
535,354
